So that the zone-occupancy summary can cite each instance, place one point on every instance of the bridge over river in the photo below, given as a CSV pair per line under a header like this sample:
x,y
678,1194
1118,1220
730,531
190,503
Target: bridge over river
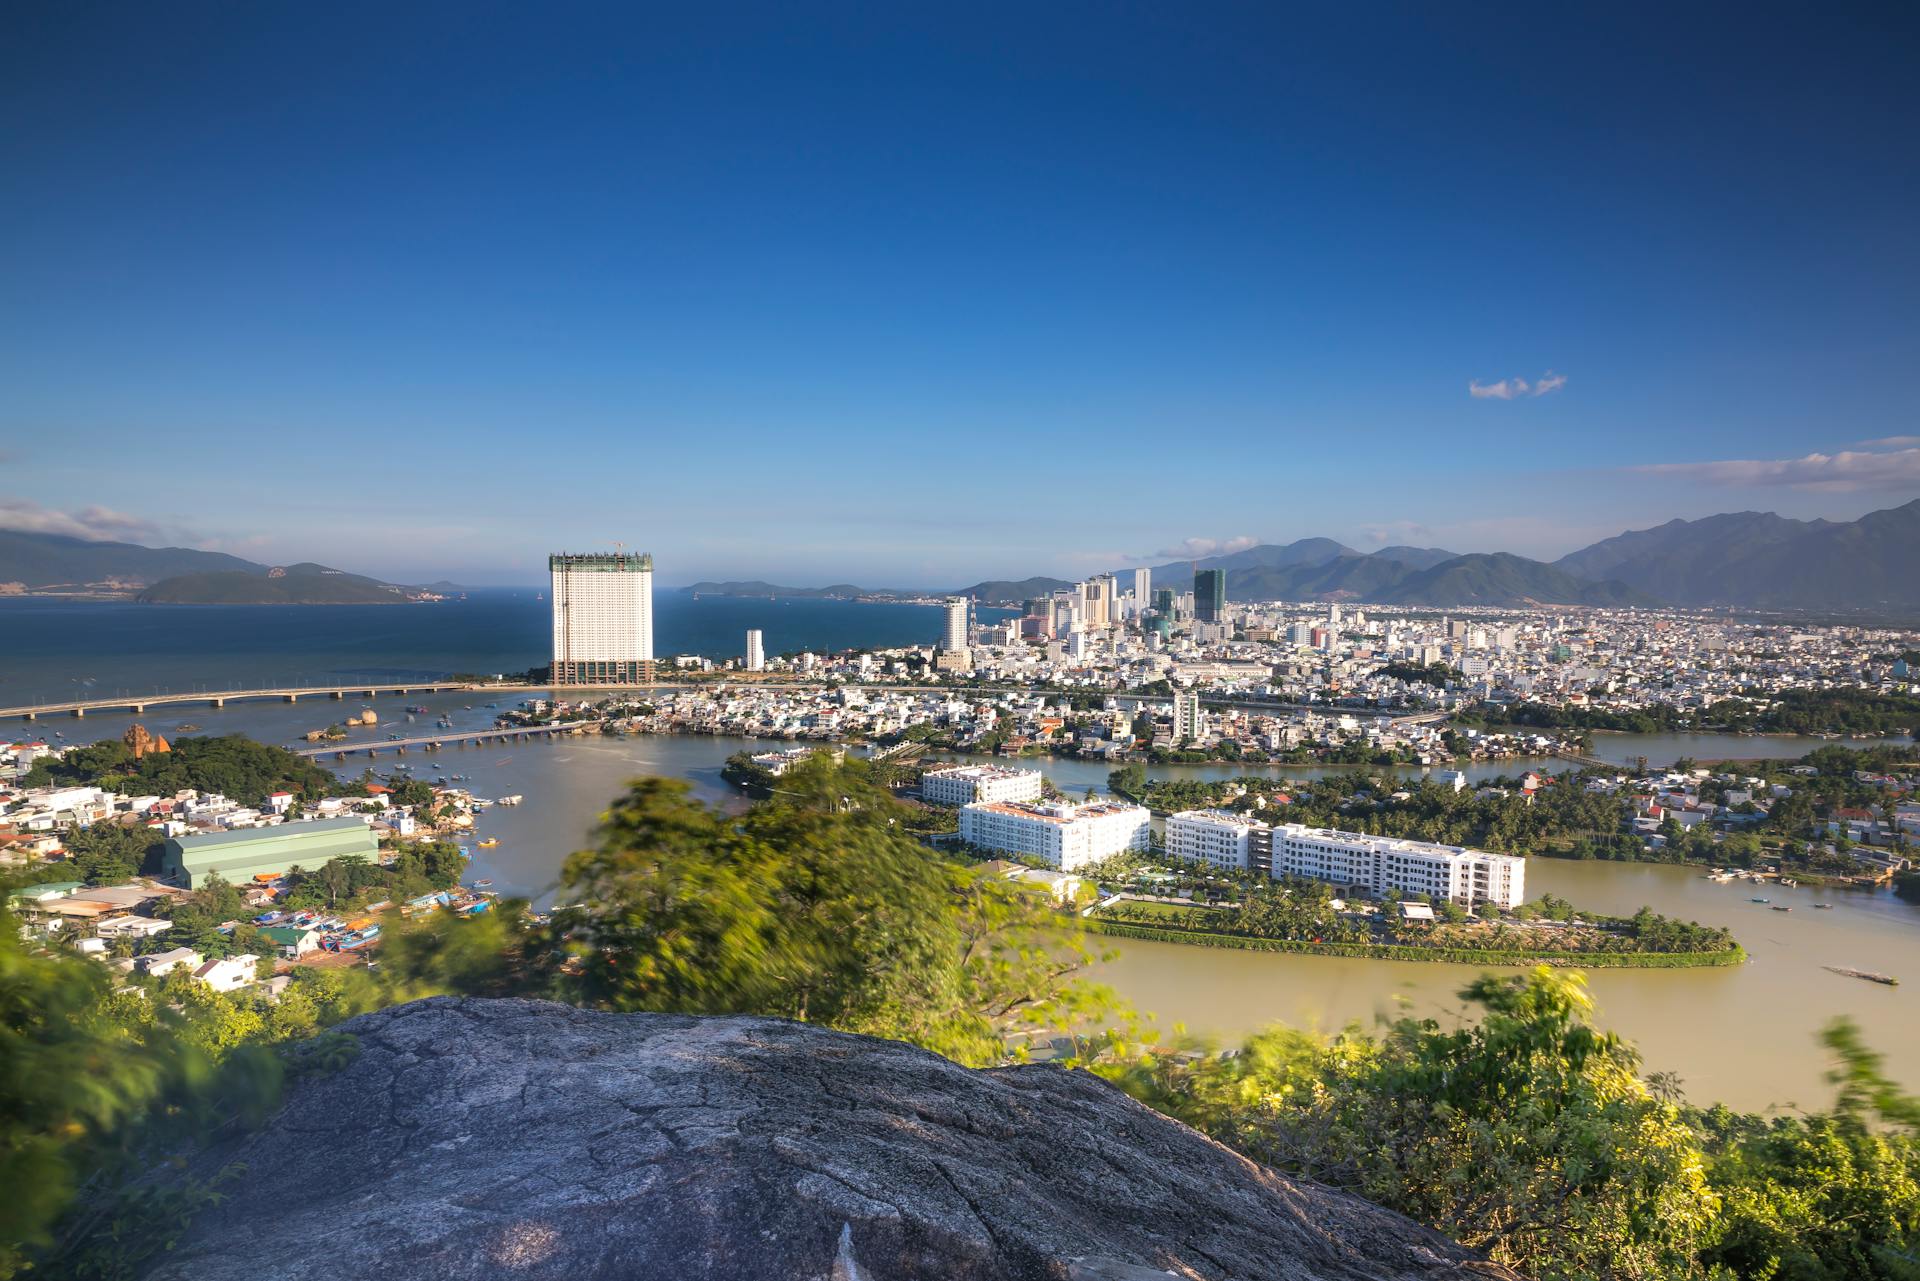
x,y
220,698
452,738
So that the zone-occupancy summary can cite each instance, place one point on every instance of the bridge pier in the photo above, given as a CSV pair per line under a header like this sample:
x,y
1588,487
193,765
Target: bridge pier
x,y
216,702
293,698
339,694
32,715
138,709
79,711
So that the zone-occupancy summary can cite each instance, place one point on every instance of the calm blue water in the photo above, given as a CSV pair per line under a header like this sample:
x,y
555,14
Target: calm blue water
x,y
55,649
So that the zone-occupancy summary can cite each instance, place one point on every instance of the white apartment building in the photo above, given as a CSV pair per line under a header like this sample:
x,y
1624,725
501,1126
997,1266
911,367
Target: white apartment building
x,y
1218,837
955,638
965,784
1189,721
602,618
1142,591
1063,835
756,651
1382,863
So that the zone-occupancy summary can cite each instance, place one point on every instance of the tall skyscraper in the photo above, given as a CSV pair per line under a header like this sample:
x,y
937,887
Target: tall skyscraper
x,y
602,618
1210,596
956,632
1142,591
756,652
1163,602
1097,593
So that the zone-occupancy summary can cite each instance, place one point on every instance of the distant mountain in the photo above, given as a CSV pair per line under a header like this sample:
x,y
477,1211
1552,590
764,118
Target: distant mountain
x,y
1763,560
775,591
1418,557
1499,578
40,561
1000,591
302,584
1307,551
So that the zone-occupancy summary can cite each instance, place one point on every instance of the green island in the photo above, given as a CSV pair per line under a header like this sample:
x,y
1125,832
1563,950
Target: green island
x,y
1202,907
1579,814
1525,1132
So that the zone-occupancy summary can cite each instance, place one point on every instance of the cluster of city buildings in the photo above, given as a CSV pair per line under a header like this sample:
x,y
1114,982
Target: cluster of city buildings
x,y
1120,634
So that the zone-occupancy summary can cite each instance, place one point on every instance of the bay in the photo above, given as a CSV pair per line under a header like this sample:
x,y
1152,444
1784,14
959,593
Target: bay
x,y
52,650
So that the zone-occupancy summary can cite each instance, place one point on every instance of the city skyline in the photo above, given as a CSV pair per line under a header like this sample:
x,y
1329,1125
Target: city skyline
x,y
1382,281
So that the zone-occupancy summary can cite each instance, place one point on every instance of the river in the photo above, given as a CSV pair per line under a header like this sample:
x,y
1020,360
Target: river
x,y
1743,1036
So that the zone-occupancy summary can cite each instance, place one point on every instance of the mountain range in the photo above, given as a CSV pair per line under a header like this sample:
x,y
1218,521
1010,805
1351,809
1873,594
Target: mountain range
x,y
1750,559
1762,560
180,575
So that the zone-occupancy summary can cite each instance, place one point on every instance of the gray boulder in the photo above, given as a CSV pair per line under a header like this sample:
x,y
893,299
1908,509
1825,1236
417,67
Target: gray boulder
x,y
522,1139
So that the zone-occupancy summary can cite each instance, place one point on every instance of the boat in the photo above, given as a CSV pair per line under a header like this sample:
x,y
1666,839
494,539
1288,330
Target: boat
x,y
510,800
489,843
1779,908
1763,900
1869,975
418,709
483,885
1823,907
355,941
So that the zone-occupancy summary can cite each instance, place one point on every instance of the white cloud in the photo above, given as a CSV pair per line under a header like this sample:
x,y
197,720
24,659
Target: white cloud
x,y
1196,548
1889,442
1897,469
97,524
1516,388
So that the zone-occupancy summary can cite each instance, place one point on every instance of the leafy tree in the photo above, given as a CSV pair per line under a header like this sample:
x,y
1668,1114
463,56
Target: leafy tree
x,y
816,905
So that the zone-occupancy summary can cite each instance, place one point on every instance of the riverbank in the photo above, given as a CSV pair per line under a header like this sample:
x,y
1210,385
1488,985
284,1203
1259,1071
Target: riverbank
x,y
1412,952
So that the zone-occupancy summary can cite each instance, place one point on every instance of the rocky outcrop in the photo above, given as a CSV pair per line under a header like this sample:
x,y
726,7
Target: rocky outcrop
x,y
521,1139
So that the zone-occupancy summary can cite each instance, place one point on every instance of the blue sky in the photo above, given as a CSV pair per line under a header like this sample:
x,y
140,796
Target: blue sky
x,y
908,295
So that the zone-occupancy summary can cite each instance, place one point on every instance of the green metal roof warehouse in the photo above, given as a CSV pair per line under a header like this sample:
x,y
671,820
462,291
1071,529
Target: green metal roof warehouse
x,y
241,855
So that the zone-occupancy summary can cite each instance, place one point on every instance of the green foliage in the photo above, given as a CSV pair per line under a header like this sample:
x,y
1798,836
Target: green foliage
x,y
1439,675
108,854
1789,711
745,773
816,905
234,766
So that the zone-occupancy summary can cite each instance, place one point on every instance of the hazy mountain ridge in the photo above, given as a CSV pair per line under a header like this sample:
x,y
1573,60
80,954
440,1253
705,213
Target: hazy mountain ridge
x,y
1761,559
305,583
39,561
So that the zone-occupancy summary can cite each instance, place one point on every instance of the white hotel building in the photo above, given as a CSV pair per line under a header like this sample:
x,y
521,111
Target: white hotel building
x,y
602,618
1236,843
965,784
1221,838
1062,835
1382,863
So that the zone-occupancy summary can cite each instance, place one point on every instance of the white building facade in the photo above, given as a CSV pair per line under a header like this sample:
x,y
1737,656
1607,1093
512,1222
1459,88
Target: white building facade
x,y
1060,834
1218,838
955,637
602,618
1189,720
1381,863
965,784
756,652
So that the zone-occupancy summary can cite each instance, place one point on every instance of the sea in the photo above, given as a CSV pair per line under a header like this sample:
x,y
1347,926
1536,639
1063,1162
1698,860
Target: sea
x,y
52,650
